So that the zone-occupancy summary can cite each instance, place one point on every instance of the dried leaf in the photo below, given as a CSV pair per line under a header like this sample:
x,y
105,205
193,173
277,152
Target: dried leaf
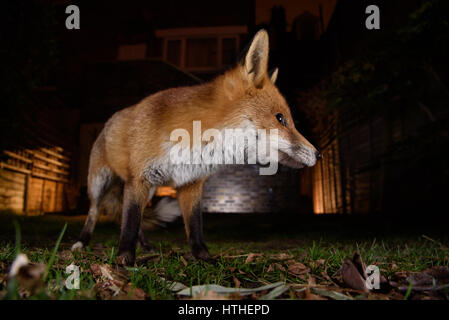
x,y
297,268
434,280
311,296
317,263
184,262
440,273
352,277
113,283
320,262
359,264
274,267
236,282
252,257
281,256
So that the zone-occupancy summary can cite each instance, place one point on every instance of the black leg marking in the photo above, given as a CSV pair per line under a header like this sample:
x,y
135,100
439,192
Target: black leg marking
x,y
196,241
129,233
144,242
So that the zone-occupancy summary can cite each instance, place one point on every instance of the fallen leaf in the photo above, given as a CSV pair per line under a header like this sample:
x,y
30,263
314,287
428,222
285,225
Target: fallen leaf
x,y
252,257
114,283
434,281
320,262
352,277
297,268
275,266
184,262
359,264
327,277
312,296
236,282
281,256
316,263
440,273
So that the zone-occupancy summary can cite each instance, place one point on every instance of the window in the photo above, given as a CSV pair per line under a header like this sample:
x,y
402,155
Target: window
x,y
202,53
202,49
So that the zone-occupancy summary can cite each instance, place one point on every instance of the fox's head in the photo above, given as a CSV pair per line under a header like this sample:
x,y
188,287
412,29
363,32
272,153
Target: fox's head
x,y
257,103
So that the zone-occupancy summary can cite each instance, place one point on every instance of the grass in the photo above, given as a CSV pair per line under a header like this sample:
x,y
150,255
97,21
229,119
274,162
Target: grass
x,y
318,245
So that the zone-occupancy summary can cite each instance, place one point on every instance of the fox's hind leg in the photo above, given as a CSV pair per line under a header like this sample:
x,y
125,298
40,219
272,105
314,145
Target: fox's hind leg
x,y
144,243
98,186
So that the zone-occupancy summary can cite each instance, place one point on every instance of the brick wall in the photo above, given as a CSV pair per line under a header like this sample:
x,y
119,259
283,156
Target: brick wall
x,y
240,189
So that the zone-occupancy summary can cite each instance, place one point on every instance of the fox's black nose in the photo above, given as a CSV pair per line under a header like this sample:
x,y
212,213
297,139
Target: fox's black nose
x,y
318,155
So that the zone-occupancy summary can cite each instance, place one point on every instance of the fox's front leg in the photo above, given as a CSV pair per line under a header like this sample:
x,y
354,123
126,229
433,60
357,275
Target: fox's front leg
x,y
189,197
135,196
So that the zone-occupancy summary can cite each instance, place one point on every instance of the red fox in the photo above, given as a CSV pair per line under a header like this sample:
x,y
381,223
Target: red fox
x,y
133,149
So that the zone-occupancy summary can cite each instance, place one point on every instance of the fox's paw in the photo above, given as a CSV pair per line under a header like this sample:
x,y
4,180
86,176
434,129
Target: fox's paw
x,y
200,252
77,246
125,259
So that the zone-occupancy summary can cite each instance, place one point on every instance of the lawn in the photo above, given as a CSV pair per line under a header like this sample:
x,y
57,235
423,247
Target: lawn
x,y
277,255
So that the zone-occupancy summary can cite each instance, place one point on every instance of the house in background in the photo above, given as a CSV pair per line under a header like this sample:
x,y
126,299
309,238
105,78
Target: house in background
x,y
203,51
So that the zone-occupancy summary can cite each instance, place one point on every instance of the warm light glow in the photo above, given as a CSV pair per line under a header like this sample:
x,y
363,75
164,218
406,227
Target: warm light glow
x,y
166,192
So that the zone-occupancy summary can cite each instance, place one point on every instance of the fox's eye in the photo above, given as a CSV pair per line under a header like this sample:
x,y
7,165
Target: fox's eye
x,y
281,119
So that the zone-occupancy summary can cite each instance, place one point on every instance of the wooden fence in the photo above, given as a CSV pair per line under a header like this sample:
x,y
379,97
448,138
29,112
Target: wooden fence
x,y
40,177
35,171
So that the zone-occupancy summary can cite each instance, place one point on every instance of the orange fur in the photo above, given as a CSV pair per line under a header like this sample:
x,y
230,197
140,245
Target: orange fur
x,y
137,137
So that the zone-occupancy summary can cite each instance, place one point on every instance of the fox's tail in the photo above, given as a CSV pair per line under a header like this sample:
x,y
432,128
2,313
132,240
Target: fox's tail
x,y
165,210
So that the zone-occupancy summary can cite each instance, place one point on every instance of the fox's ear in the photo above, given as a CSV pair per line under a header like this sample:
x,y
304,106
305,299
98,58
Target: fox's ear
x,y
273,74
256,59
